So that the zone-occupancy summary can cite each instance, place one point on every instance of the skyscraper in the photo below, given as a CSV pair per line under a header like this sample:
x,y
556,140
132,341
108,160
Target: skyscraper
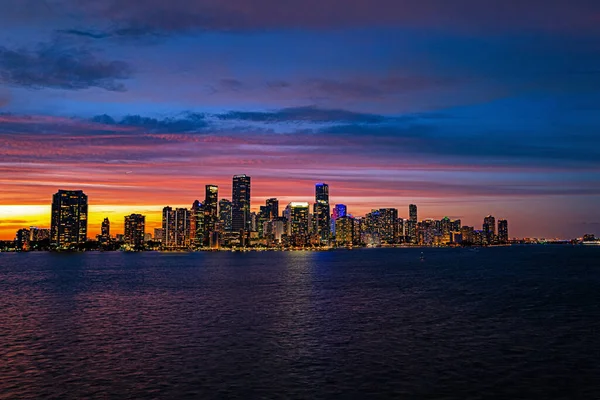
x,y
225,215
197,224
344,231
168,227
412,223
182,227
272,208
298,222
69,217
105,231
503,231
489,229
340,210
135,230
322,212
211,203
240,203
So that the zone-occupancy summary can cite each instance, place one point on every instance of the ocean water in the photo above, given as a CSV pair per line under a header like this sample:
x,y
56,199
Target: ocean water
x,y
519,322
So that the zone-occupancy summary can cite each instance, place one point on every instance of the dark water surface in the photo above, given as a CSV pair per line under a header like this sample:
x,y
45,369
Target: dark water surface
x,y
506,323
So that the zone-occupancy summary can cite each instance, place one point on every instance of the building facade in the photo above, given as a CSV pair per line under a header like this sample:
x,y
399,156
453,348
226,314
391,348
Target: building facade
x,y
69,218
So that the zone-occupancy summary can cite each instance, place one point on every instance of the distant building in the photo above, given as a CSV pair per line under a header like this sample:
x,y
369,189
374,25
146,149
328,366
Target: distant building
x,y
225,222
298,223
211,203
322,213
69,218
412,223
105,231
22,240
135,230
158,234
272,208
344,231
240,204
489,229
340,210
197,227
502,231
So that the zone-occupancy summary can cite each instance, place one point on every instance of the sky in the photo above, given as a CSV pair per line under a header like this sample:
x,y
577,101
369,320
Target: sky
x,y
465,108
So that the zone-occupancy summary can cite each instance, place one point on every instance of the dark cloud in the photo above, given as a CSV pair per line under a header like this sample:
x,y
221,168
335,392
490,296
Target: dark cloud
x,y
241,15
54,66
303,114
189,122
87,34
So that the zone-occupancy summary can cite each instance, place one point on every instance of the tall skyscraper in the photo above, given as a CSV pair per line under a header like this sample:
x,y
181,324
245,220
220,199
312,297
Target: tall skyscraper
x,y
240,203
225,215
489,229
322,212
340,210
197,224
105,231
298,222
272,208
69,217
211,203
503,231
182,227
135,230
412,223
168,227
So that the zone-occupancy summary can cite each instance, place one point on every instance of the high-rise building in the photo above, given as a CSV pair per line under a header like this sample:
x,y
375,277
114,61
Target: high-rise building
x,y
344,231
298,223
211,203
197,224
489,229
22,240
340,210
105,231
240,203
69,217
322,212
272,208
182,227
503,231
168,227
412,223
225,215
135,230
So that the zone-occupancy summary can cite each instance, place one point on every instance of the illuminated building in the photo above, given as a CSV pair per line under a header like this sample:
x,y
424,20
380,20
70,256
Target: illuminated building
x,y
197,224
467,234
412,223
321,211
158,234
69,218
105,231
339,211
382,225
503,231
135,230
38,234
358,231
211,203
272,208
298,223
168,227
22,240
225,215
240,204
400,234
344,228
182,227
489,229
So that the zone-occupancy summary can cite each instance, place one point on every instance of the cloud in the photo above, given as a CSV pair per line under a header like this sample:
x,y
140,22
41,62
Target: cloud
x,y
188,122
309,114
260,15
54,66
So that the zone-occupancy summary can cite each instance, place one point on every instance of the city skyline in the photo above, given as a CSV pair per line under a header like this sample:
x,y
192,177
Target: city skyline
x,y
465,109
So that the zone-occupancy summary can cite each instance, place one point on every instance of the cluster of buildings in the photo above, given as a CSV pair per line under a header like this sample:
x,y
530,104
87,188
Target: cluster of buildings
x,y
213,223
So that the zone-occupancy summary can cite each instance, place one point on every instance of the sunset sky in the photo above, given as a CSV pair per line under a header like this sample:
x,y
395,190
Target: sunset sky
x,y
464,107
